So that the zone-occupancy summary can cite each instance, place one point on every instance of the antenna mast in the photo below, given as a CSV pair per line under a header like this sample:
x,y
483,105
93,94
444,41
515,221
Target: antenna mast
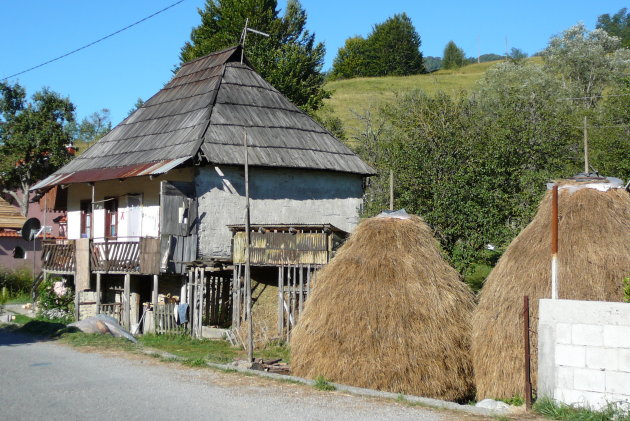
x,y
244,36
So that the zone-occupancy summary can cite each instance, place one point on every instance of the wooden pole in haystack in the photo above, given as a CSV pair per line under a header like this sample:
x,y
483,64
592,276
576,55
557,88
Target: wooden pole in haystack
x,y
391,189
528,376
248,277
554,243
586,170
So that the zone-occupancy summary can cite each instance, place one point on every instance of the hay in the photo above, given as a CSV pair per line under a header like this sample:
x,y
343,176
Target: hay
x,y
388,313
593,258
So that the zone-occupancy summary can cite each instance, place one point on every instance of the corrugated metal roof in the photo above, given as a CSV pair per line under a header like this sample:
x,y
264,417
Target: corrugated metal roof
x,y
209,104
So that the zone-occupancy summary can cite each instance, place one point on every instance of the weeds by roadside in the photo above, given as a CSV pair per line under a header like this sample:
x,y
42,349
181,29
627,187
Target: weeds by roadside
x,y
322,384
560,411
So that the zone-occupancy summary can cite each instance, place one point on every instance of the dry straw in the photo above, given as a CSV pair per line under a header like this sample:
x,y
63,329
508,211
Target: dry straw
x,y
388,313
594,256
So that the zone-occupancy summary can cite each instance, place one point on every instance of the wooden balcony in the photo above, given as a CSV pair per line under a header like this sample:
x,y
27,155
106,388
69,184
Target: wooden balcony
x,y
119,255
58,256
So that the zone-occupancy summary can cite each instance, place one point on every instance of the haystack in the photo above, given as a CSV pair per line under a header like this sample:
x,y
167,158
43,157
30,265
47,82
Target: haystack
x,y
593,258
388,313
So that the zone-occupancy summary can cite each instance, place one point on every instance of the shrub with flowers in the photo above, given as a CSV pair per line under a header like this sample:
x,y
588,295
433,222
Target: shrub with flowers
x,y
55,300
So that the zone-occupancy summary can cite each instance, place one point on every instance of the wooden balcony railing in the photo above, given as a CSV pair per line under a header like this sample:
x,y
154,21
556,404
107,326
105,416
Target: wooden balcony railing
x,y
119,255
115,255
58,255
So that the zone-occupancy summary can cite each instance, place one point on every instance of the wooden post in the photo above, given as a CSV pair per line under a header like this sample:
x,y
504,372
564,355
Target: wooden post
x,y
391,189
528,379
127,302
98,293
154,294
280,311
554,242
586,169
301,297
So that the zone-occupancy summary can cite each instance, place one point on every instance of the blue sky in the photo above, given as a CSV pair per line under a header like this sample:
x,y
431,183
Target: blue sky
x,y
138,62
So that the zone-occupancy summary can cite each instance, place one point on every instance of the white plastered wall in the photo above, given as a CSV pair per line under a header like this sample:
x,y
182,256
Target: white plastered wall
x,y
278,196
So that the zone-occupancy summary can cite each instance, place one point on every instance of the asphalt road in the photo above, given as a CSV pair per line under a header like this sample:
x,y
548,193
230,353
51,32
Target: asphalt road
x,y
50,381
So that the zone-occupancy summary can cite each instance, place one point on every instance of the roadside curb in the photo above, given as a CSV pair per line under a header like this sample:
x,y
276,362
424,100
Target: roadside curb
x,y
359,391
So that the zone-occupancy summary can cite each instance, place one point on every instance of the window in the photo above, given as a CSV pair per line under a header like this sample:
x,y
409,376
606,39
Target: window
x,y
111,217
19,253
86,218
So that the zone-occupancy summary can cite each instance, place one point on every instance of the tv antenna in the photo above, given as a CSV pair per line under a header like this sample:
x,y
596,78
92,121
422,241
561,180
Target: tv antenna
x,y
244,36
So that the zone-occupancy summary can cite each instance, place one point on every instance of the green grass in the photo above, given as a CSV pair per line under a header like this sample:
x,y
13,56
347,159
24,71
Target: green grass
x,y
191,349
559,411
350,96
274,351
322,384
476,276
20,298
514,401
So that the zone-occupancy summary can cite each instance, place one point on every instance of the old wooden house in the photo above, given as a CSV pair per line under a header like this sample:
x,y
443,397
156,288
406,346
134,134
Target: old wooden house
x,y
154,206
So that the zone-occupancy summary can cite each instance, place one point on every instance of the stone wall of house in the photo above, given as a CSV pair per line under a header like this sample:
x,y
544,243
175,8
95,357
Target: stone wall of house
x,y
278,196
584,352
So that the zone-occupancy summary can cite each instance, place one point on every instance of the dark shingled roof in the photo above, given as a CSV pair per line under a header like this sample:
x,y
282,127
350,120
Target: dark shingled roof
x,y
208,105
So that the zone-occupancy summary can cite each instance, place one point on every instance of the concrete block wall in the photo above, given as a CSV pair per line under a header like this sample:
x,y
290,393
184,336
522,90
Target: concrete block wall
x,y
584,352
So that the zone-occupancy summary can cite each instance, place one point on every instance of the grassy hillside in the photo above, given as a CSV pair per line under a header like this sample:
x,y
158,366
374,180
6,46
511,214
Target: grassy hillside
x,y
355,96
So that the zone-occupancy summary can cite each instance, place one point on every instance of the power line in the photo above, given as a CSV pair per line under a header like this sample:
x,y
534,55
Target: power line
x,y
590,97
95,42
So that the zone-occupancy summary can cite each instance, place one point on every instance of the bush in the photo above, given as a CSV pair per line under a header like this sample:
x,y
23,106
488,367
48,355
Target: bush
x,y
55,300
16,282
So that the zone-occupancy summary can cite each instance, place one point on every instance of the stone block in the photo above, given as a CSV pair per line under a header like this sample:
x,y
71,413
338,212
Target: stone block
x,y
565,377
618,382
617,336
583,334
601,358
563,333
570,356
623,361
589,380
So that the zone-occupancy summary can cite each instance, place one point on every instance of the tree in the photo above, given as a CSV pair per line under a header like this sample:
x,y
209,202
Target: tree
x,y
586,61
289,59
516,55
33,138
90,129
453,57
431,64
395,47
352,59
618,25
392,48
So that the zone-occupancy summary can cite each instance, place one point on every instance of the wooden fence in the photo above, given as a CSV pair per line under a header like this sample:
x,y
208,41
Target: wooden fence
x,y
115,256
58,255
112,309
164,320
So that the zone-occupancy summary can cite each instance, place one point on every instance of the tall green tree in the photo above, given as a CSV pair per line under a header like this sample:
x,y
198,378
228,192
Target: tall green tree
x,y
617,25
395,47
392,48
289,59
453,57
33,138
90,129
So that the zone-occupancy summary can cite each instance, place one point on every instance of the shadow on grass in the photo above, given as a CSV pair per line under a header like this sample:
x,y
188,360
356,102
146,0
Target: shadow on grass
x,y
32,331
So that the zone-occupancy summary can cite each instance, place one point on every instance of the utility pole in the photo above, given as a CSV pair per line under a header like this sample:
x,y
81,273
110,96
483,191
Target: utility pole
x,y
248,277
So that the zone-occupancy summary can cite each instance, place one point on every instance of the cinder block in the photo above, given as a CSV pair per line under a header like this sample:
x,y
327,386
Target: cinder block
x,y
563,333
589,380
623,360
568,396
570,356
564,378
582,334
601,358
618,382
617,336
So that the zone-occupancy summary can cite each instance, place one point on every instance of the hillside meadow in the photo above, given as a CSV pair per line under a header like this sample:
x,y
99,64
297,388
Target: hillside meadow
x,y
352,97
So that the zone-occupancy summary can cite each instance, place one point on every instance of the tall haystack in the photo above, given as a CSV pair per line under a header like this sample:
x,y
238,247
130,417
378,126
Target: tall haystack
x,y
388,313
593,258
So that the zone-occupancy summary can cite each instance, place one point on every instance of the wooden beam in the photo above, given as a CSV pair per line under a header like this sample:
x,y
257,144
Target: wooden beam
x,y
154,293
98,293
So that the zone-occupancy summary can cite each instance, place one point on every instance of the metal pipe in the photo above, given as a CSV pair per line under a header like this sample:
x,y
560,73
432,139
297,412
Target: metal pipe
x,y
554,242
